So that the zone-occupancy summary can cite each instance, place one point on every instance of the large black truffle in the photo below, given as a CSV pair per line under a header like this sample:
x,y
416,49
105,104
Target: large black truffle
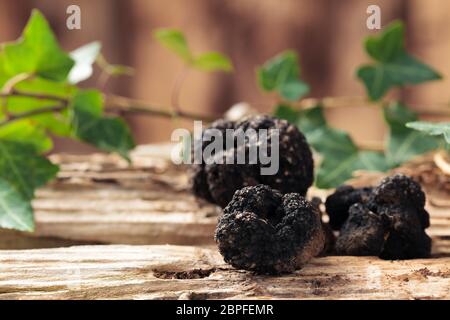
x,y
264,231
390,223
218,182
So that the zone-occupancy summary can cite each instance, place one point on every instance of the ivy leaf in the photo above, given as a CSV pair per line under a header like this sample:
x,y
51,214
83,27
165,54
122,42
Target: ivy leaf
x,y
340,156
336,168
37,52
23,168
286,112
107,133
393,66
88,101
311,122
175,41
24,131
212,61
432,129
56,123
294,90
43,171
84,58
15,210
404,143
282,74
4,77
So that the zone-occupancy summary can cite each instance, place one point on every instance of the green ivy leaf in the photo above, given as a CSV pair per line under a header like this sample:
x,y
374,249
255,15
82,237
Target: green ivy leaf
x,y
88,101
212,61
336,168
340,156
294,90
84,58
286,112
175,41
282,74
37,52
56,123
403,143
15,210
25,131
432,129
393,65
23,168
43,171
311,122
107,133
4,76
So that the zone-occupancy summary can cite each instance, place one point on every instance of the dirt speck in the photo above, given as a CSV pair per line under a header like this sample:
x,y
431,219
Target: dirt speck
x,y
189,274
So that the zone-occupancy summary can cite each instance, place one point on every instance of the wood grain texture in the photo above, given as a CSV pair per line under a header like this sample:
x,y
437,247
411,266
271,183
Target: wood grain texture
x,y
100,199
186,272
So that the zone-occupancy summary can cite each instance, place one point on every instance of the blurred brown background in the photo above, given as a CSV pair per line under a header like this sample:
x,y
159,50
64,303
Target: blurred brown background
x,y
327,35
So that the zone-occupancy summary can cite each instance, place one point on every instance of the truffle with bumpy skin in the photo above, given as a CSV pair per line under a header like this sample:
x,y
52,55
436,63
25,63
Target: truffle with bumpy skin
x,y
264,231
363,233
390,224
338,204
199,178
217,182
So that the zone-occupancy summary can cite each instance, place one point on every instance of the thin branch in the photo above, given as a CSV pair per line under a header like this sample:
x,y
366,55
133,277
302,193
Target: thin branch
x,y
17,93
436,109
8,87
35,112
123,104
118,104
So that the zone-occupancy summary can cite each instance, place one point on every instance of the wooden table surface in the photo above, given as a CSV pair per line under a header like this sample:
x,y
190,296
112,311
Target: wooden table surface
x,y
102,230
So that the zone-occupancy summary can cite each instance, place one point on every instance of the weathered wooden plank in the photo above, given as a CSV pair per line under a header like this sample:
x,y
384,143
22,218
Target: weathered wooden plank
x,y
186,272
101,199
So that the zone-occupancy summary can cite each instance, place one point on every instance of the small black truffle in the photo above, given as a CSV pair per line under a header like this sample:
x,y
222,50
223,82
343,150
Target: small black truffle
x,y
389,223
264,231
338,204
217,182
363,233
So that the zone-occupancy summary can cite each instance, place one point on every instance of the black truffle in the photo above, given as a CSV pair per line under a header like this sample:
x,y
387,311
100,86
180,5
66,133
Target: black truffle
x,y
217,182
264,231
363,233
390,223
338,204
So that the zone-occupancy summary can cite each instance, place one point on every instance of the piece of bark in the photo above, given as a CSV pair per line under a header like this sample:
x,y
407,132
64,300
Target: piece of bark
x,y
185,272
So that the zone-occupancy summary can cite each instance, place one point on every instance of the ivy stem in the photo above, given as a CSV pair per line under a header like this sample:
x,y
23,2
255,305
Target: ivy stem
x,y
113,103
8,87
439,109
35,112
17,93
124,104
